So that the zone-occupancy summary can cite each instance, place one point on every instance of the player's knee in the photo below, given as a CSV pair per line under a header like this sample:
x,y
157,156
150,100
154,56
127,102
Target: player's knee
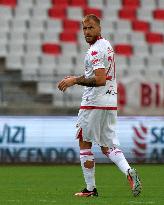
x,y
89,164
105,150
84,144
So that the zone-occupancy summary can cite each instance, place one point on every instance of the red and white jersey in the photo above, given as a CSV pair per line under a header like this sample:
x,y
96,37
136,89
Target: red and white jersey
x,y
100,55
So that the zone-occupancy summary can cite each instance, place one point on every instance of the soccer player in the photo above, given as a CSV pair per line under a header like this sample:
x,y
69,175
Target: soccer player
x,y
98,111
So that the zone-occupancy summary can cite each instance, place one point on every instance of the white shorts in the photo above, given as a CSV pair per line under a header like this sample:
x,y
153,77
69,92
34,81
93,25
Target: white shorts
x,y
97,126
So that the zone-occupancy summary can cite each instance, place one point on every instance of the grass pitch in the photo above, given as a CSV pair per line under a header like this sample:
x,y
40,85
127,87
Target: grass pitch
x,y
49,185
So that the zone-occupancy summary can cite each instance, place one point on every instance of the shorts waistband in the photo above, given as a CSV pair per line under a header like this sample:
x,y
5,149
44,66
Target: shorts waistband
x,y
98,108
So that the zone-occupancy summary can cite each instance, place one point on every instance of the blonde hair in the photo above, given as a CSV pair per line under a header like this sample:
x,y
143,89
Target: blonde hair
x,y
93,17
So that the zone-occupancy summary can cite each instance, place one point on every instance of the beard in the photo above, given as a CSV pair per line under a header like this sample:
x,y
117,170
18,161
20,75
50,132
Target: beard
x,y
91,39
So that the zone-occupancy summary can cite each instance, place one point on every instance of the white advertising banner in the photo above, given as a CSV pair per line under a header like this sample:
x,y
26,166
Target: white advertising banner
x,y
52,140
140,95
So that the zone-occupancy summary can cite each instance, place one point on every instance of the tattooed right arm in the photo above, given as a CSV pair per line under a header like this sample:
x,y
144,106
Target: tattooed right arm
x,y
89,82
98,80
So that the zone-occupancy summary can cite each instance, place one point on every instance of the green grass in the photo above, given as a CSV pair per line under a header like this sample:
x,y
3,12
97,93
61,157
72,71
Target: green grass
x,y
40,185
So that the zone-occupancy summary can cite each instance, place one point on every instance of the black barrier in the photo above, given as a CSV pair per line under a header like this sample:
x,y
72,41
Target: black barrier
x,y
38,155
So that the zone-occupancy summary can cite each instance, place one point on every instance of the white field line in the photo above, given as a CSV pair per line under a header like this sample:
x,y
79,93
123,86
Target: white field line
x,y
142,202
20,201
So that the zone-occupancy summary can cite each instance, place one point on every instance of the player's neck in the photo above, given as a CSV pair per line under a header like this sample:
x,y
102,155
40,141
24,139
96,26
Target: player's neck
x,y
98,38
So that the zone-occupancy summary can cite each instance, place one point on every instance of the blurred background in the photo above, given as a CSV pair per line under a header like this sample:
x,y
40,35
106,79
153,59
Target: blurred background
x,y
41,41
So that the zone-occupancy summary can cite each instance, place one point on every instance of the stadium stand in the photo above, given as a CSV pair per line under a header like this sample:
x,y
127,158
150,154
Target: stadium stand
x,y
43,39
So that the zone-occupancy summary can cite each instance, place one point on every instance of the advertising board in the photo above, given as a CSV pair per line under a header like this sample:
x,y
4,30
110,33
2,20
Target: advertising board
x,y
52,140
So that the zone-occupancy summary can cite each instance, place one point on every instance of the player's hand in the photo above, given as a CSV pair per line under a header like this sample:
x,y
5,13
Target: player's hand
x,y
66,82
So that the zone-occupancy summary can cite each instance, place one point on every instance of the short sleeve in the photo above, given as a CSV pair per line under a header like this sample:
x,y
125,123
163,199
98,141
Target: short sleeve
x,y
97,59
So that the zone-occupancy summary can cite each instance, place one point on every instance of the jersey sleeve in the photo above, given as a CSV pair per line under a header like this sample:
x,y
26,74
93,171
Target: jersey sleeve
x,y
97,59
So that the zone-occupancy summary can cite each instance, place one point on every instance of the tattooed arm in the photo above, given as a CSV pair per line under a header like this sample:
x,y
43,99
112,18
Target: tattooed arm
x,y
90,82
98,80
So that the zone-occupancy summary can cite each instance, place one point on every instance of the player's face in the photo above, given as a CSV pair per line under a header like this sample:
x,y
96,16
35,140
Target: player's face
x,y
91,31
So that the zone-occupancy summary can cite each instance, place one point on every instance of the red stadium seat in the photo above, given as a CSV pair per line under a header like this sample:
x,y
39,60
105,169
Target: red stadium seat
x,y
95,11
131,4
126,13
68,37
61,3
52,49
153,38
57,12
139,25
81,3
71,25
123,49
11,3
159,14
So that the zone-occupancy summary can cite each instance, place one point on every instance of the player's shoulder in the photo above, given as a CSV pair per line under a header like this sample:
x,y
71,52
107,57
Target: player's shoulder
x,y
102,44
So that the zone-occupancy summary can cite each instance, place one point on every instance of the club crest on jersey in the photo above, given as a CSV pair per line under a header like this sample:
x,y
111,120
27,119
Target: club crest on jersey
x,y
94,53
